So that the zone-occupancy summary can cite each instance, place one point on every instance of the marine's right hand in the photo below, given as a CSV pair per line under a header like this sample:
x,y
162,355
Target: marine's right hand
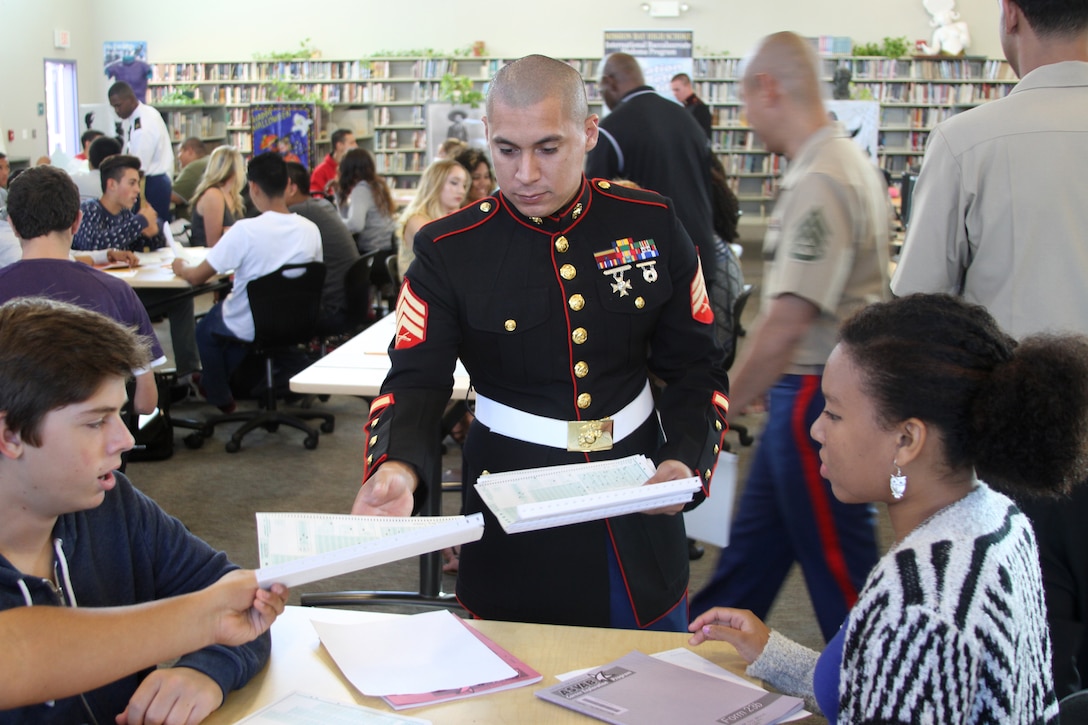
x,y
388,492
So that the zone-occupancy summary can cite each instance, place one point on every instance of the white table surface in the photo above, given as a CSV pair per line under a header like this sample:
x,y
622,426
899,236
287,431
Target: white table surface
x,y
359,366
155,270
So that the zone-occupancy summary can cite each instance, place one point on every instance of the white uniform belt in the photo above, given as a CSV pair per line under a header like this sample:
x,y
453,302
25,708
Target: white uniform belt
x,y
514,423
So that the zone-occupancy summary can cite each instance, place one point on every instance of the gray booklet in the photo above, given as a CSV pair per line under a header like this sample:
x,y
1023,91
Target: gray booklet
x,y
640,690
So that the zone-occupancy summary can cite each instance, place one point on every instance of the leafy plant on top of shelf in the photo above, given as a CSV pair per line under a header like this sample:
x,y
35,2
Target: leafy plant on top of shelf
x,y
411,53
459,89
703,51
180,96
890,48
289,92
305,51
477,49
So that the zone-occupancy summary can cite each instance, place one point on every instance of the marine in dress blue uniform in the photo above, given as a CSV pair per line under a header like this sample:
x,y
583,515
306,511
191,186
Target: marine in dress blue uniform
x,y
562,317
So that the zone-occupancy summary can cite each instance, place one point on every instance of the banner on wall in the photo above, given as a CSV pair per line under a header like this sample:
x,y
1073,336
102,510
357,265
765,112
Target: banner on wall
x,y
284,128
661,53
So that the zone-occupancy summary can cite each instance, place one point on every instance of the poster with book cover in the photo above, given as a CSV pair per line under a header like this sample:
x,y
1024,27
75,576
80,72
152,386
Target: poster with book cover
x,y
286,129
660,53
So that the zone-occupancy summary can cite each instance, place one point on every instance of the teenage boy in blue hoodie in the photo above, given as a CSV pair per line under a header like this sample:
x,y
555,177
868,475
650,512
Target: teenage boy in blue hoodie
x,y
75,533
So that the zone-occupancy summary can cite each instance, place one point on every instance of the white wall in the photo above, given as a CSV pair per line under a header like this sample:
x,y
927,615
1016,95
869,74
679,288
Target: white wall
x,y
234,30
26,38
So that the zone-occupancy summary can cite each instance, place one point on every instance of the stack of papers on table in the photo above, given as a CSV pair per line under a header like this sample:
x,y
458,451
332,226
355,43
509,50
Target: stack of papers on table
x,y
641,690
297,548
422,660
542,498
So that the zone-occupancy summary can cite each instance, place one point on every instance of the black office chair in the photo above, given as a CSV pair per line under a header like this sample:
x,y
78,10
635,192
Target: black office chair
x,y
285,306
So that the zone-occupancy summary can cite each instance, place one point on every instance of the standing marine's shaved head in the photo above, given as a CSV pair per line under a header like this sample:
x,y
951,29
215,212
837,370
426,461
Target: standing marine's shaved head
x,y
534,78
789,59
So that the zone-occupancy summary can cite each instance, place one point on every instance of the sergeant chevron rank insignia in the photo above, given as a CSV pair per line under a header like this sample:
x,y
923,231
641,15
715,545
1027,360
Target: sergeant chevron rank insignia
x,y
411,319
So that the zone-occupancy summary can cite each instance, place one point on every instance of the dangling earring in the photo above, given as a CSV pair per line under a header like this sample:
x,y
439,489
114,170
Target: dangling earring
x,y
898,482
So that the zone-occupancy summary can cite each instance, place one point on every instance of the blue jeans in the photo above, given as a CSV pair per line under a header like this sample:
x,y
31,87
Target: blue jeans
x,y
220,353
788,514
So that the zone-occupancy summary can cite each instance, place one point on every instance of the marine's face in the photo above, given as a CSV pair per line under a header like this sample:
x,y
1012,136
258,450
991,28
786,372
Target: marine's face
x,y
539,152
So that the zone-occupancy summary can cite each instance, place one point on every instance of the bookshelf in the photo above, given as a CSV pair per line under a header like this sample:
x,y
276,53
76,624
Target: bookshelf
x,y
384,101
208,123
914,94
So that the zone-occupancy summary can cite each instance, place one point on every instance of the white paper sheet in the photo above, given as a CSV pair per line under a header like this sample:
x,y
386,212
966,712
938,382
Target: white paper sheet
x,y
300,709
421,653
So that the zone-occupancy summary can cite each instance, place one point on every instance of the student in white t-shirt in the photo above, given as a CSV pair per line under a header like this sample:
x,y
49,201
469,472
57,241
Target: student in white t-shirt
x,y
252,248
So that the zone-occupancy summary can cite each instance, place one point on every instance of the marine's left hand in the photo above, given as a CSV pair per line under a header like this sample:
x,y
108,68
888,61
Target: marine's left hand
x,y
173,696
669,470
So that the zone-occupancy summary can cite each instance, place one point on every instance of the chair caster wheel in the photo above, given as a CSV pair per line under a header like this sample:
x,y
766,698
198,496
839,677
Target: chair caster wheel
x,y
328,426
233,446
310,442
272,427
194,441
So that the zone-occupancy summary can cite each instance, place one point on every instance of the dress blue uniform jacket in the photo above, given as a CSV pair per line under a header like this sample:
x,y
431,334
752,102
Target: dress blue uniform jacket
x,y
550,317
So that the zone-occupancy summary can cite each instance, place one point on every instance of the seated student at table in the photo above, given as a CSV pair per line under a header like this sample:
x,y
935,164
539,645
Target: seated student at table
x,y
75,532
442,190
193,158
110,223
252,248
925,397
365,202
44,214
217,201
337,246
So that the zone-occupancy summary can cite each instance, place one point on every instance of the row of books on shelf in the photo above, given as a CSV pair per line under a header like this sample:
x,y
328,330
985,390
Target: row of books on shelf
x,y
942,93
390,140
730,140
966,69
301,70
184,125
918,117
903,141
241,140
716,67
400,162
743,163
717,91
412,115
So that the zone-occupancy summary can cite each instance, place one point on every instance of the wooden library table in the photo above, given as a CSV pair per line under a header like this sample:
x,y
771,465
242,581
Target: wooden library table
x,y
300,663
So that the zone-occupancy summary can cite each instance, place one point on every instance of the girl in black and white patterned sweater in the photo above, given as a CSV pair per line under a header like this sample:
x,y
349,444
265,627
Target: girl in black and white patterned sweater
x,y
925,395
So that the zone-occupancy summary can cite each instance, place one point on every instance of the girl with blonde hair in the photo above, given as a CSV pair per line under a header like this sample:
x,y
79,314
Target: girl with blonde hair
x,y
217,202
442,190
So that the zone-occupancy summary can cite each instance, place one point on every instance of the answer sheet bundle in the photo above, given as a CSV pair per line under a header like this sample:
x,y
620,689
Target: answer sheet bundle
x,y
543,498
